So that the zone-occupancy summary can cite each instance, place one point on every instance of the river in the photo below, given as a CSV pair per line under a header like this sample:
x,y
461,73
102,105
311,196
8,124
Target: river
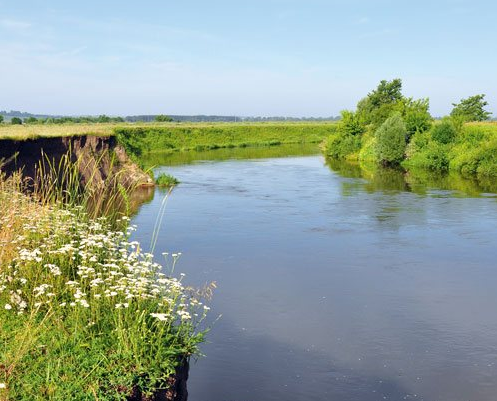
x,y
333,282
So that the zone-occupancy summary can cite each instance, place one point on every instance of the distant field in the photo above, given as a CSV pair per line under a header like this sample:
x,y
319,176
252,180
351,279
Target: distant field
x,y
30,131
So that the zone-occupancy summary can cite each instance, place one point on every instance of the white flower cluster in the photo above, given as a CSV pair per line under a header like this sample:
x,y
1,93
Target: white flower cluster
x,y
69,262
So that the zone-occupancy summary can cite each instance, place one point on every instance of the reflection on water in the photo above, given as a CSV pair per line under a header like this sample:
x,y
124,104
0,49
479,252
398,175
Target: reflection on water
x,y
336,283
417,181
262,152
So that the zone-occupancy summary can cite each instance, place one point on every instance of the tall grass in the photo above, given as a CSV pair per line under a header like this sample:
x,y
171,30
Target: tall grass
x,y
84,312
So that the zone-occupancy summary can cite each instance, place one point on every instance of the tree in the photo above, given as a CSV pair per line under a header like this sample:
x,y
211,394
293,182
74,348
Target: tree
x,y
1,119
415,114
103,119
30,120
379,104
471,109
161,118
391,140
16,121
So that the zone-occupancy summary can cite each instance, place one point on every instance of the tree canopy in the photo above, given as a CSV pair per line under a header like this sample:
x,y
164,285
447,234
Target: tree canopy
x,y
379,104
161,118
471,109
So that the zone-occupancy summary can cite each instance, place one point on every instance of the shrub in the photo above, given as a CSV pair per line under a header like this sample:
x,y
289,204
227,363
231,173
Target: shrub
x,y
342,145
415,114
444,132
166,180
16,121
391,140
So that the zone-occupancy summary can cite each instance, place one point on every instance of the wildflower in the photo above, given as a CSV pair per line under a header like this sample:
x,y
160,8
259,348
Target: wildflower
x,y
160,316
3,386
8,306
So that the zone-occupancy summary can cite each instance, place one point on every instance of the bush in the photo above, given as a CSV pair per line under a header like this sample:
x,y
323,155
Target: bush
x,y
342,145
166,180
16,121
444,133
391,140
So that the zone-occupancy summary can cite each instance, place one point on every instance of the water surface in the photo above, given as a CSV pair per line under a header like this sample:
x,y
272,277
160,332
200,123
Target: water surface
x,y
335,283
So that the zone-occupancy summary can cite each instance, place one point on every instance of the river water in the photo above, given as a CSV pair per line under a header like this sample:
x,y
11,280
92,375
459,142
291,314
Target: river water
x,y
334,283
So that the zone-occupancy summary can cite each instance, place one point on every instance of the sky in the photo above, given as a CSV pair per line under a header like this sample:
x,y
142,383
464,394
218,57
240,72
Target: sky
x,y
247,58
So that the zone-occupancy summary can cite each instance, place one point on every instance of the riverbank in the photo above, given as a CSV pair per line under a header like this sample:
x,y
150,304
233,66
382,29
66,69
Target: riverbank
x,y
85,313
469,149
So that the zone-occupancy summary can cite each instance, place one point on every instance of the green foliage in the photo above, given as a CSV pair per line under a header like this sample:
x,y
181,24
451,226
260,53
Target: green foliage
x,y
391,141
415,114
351,124
16,121
161,118
140,140
1,119
30,120
346,142
444,132
166,180
379,104
342,145
472,108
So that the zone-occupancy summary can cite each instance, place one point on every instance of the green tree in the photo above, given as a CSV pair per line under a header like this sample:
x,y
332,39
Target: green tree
x,y
347,139
1,119
379,104
471,109
351,123
391,140
16,121
415,114
30,120
103,119
161,118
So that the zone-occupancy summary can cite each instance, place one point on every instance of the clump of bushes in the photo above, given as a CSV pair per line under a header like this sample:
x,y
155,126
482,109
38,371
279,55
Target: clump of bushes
x,y
444,132
346,142
391,141
390,129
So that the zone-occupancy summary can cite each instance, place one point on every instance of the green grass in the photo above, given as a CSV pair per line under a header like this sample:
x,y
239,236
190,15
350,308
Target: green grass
x,y
166,180
85,313
200,137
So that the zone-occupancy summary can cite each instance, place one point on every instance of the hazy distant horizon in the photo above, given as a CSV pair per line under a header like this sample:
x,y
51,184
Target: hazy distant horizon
x,y
289,58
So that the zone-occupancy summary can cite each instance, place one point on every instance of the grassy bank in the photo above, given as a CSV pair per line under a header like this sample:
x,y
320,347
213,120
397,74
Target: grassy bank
x,y
211,133
139,140
84,312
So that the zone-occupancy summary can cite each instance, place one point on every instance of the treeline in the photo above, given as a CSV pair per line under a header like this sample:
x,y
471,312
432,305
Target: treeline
x,y
18,117
390,129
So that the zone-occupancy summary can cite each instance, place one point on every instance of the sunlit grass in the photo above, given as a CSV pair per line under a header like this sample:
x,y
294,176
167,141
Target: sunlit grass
x,y
29,131
85,313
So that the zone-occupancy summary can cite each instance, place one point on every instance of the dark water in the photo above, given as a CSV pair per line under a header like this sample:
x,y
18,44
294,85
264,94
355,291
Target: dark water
x,y
336,284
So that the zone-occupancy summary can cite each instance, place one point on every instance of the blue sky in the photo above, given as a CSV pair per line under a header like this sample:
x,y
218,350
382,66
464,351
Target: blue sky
x,y
258,57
